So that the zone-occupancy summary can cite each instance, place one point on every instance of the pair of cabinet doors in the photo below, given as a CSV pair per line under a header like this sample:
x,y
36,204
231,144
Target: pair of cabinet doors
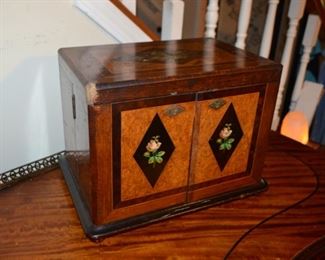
x,y
178,149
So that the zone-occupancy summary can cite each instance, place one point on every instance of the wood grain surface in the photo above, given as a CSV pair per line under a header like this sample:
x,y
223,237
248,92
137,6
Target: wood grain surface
x,y
175,174
38,220
206,167
106,78
112,68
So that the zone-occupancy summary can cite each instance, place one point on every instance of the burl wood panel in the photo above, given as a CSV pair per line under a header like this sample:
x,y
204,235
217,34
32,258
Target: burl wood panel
x,y
38,219
134,124
206,167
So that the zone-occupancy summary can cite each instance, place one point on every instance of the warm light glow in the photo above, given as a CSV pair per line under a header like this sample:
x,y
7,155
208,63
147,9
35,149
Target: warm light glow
x,y
295,126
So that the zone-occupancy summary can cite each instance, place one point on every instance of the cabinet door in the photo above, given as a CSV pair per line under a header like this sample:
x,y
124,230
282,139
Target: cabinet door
x,y
226,129
151,154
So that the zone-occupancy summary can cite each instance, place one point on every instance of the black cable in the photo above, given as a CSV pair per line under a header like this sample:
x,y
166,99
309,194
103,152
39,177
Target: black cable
x,y
279,212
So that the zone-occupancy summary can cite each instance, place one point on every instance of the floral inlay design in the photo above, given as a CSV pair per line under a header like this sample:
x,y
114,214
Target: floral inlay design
x,y
153,154
159,56
225,141
226,137
154,150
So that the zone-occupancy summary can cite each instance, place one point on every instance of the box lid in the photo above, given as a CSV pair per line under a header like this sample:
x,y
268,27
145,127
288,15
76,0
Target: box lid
x,y
126,65
120,72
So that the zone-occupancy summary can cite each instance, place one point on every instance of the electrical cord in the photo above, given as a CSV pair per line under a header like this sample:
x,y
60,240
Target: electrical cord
x,y
230,251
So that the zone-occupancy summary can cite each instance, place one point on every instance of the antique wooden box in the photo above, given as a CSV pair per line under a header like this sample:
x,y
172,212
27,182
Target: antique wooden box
x,y
153,130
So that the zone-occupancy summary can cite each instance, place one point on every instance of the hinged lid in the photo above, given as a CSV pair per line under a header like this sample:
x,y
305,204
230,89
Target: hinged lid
x,y
116,66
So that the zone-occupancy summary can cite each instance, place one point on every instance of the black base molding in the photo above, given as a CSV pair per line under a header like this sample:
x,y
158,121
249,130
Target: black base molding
x,y
29,170
98,232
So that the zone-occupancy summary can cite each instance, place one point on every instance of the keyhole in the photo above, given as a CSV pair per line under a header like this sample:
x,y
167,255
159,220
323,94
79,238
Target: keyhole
x,y
74,106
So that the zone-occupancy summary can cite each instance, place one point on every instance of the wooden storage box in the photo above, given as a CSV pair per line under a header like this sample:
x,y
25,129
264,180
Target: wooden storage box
x,y
153,130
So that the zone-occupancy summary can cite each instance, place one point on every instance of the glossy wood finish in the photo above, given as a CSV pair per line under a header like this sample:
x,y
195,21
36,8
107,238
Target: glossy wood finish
x,y
101,84
123,86
38,219
108,71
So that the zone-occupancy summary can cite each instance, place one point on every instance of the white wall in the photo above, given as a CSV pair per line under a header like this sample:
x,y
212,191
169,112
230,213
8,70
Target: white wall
x,y
31,32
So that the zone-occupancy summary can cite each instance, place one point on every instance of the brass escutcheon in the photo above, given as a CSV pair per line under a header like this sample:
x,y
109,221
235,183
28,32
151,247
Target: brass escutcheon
x,y
217,104
174,110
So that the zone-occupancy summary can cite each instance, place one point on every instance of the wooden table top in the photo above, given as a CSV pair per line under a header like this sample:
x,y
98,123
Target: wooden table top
x,y
38,220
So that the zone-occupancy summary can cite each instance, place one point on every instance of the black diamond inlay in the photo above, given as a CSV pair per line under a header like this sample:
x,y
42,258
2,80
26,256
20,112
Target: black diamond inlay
x,y
154,150
226,137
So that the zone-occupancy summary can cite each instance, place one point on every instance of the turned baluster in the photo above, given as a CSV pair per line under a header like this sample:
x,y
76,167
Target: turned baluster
x,y
309,41
296,10
268,29
172,20
211,19
243,22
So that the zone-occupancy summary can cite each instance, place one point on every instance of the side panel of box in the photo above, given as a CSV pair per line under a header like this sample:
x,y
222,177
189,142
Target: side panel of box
x,y
100,133
264,128
75,116
68,111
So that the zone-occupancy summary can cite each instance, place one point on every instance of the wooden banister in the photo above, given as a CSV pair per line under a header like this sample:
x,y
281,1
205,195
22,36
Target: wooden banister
x,y
135,19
